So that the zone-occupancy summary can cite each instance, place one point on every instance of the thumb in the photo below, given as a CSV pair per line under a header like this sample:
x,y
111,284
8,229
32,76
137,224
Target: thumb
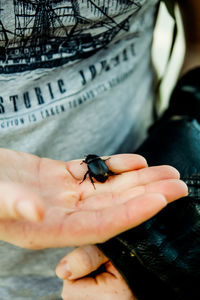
x,y
80,262
17,202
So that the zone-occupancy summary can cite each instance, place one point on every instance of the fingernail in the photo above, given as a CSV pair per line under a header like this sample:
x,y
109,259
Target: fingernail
x,y
64,270
28,211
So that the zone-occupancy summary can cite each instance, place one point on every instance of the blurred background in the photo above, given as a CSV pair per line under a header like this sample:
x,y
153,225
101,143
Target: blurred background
x,y
160,52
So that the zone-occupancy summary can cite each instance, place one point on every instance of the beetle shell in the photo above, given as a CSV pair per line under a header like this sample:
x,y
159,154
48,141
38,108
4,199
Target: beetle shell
x,y
97,169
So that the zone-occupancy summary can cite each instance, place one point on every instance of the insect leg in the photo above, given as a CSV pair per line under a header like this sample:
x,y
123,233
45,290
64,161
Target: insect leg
x,y
106,159
85,176
83,161
91,179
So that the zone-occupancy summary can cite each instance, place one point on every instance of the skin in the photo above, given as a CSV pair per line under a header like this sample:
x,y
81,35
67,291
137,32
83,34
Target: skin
x,y
36,213
78,284
76,267
108,284
44,205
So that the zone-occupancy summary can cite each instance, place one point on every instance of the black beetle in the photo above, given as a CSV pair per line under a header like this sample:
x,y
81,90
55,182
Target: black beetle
x,y
97,169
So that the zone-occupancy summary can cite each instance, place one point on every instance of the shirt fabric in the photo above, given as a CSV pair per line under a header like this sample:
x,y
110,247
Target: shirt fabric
x,y
75,78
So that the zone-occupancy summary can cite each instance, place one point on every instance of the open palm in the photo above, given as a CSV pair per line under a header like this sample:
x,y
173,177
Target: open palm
x,y
72,213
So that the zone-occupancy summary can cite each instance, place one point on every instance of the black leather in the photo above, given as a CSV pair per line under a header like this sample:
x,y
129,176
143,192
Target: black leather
x,y
160,259
185,99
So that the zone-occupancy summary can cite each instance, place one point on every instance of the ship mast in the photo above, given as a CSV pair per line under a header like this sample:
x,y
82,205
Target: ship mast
x,y
3,32
122,4
36,21
77,16
45,21
101,11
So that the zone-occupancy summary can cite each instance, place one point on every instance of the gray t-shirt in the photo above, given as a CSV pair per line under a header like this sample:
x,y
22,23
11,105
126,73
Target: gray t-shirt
x,y
75,78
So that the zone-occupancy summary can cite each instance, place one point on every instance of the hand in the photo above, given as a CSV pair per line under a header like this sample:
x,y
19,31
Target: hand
x,y
107,283
77,268
70,213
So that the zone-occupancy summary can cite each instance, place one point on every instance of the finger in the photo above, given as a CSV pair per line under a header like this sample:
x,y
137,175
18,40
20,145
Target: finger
x,y
128,180
87,226
117,163
80,262
85,289
18,203
91,227
172,189
106,285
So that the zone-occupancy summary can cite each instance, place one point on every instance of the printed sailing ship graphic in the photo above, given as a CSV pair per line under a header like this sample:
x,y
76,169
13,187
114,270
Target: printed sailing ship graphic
x,y
49,33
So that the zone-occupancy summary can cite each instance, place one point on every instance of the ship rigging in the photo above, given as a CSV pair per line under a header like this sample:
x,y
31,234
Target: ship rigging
x,y
52,32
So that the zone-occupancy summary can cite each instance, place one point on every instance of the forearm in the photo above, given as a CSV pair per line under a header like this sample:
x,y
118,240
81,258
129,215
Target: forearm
x,y
190,12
